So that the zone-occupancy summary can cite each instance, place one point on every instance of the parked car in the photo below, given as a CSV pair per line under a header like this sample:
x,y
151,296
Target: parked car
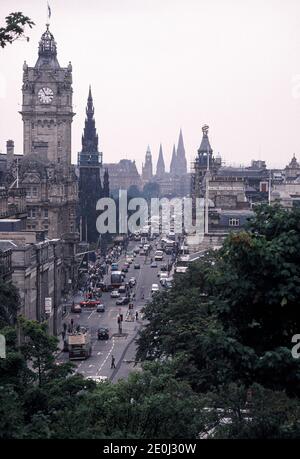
x,y
164,267
153,264
137,266
115,294
76,308
125,269
122,300
122,289
103,333
100,308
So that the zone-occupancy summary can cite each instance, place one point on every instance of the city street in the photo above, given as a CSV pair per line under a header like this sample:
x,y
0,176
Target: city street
x,y
121,346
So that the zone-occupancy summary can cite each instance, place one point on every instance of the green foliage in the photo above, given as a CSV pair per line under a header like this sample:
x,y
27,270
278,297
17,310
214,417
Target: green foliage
x,y
216,355
9,303
233,314
14,28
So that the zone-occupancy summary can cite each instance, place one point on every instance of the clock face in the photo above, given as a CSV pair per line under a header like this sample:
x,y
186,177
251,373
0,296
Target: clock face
x,y
45,95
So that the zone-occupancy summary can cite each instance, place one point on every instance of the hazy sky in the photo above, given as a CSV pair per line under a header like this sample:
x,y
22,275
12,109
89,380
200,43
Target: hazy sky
x,y
156,66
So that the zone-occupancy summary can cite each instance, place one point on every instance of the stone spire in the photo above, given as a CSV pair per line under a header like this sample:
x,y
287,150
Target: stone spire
x,y
160,167
90,138
106,183
204,148
173,165
181,159
147,171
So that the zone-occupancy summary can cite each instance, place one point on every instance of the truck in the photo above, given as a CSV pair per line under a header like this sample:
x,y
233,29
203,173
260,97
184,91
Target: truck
x,y
79,344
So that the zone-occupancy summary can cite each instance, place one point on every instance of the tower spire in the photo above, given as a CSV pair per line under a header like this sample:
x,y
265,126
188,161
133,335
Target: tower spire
x,y
160,167
181,159
173,165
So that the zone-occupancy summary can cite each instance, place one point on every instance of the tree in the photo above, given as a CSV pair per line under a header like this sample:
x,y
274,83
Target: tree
x,y
9,303
233,315
38,347
14,28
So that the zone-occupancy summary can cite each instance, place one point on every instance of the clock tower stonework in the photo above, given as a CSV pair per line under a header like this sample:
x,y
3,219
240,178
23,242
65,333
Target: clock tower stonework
x,y
46,171
47,110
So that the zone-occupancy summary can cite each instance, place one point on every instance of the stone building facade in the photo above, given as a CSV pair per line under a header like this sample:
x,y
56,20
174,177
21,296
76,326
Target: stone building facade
x,y
122,175
46,171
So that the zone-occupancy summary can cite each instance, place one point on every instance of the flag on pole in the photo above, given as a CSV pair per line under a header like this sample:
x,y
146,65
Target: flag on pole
x,y
49,10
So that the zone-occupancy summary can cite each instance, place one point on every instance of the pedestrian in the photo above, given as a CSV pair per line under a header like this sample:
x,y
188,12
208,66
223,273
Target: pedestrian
x,y
72,324
136,315
113,362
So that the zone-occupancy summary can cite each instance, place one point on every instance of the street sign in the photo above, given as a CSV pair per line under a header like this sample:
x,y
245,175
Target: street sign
x,y
48,305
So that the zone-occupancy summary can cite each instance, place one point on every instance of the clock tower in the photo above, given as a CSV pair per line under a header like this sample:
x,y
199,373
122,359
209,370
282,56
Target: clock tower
x,y
47,110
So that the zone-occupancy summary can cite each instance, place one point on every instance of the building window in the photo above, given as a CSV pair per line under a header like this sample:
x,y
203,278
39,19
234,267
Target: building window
x,y
34,192
234,222
45,213
32,212
28,193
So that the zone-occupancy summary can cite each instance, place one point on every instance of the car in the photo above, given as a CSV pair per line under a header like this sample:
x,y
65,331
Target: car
x,y
103,333
137,266
154,288
76,308
142,252
163,277
164,267
136,250
122,300
100,308
122,289
115,294
125,269
153,264
132,281
87,303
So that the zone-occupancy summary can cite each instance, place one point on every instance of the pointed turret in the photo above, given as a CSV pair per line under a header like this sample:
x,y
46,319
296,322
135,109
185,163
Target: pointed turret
x,y
90,137
160,167
173,165
181,159
205,148
106,184
147,170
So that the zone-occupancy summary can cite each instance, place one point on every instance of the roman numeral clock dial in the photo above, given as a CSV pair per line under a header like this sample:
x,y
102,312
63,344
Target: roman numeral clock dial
x,y
45,95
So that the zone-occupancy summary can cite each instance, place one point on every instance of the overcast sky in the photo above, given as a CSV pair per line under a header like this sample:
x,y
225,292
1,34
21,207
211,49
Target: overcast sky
x,y
156,66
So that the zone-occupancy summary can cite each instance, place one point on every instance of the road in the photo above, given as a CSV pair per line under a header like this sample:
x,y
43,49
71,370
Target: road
x,y
122,347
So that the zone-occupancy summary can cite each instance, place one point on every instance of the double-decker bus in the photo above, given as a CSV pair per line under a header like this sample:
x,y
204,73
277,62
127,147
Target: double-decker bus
x,y
116,279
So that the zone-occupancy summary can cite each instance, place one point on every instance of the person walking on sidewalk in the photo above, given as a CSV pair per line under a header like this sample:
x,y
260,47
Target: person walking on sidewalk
x,y
113,362
136,315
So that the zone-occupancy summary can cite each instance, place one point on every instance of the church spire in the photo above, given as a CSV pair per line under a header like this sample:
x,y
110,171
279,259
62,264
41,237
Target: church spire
x,y
160,167
173,165
181,159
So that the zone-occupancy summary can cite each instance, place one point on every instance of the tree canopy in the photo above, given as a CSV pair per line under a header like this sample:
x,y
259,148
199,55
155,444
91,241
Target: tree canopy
x,y
14,29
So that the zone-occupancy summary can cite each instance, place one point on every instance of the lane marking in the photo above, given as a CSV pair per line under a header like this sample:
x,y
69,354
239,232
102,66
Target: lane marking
x,y
110,351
